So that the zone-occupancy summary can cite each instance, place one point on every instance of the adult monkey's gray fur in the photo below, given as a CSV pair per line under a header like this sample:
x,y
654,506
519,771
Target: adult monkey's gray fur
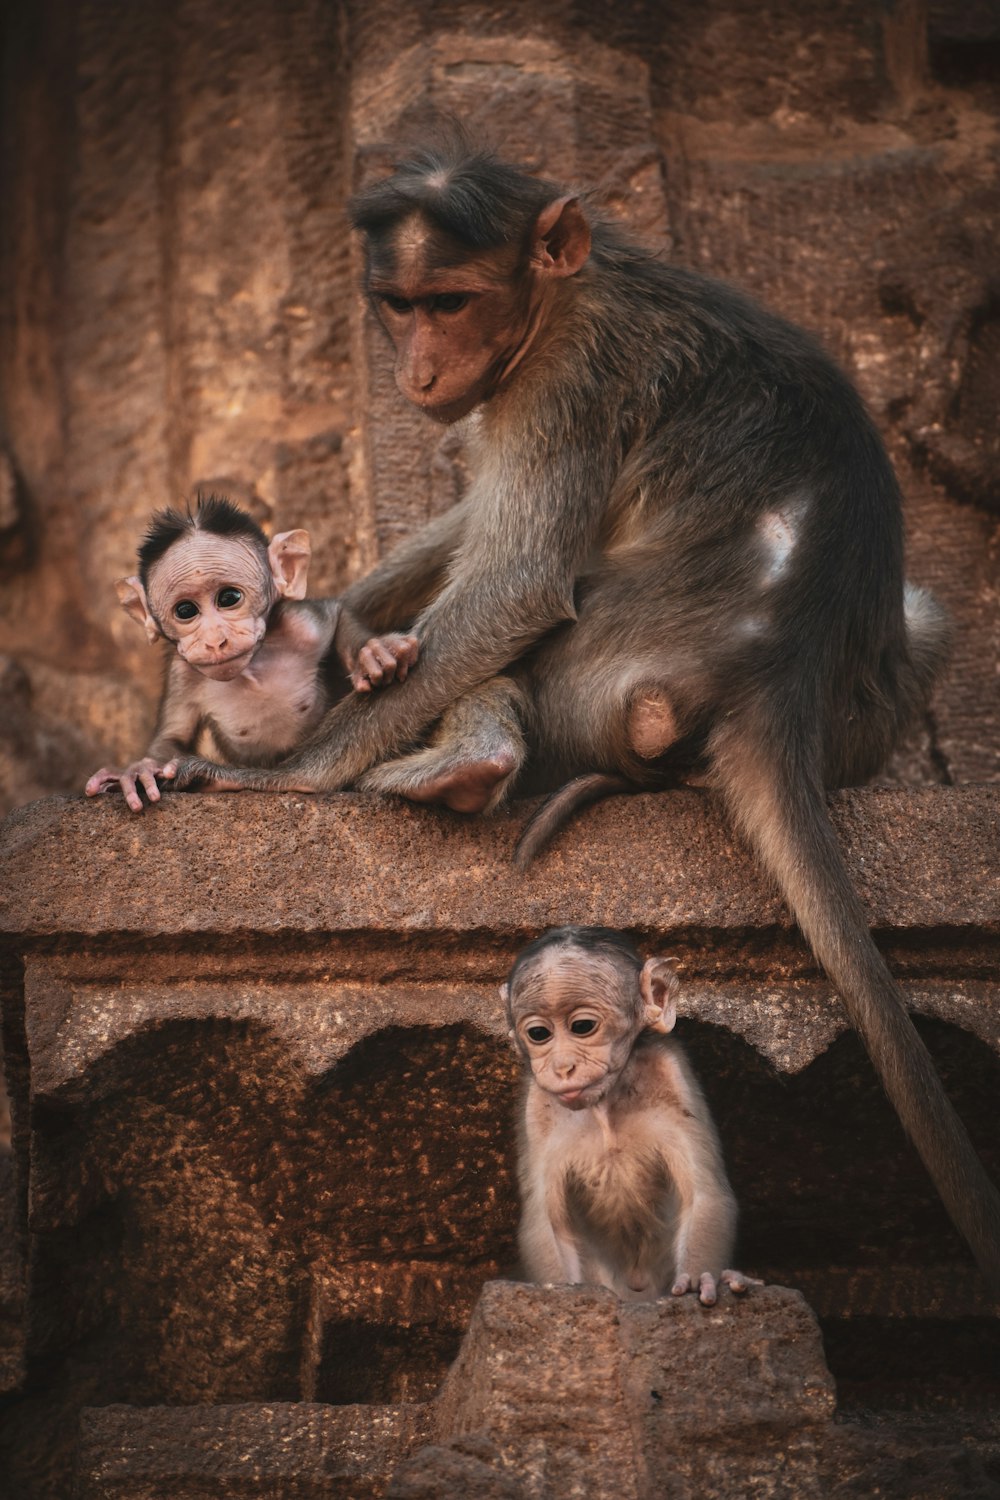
x,y
682,540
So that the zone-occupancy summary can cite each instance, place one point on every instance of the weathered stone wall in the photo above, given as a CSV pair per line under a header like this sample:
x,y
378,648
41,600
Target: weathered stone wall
x,y
178,294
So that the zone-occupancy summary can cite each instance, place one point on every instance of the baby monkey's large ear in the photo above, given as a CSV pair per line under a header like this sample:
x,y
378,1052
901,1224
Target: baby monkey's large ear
x,y
289,553
132,598
659,984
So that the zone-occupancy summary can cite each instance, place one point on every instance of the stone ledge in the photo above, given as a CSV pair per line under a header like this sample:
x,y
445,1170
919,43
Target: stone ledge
x,y
311,1451
326,919
233,864
568,1393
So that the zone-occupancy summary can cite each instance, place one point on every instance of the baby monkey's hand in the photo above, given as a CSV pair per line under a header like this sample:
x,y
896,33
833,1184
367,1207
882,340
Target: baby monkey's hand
x,y
707,1287
141,773
384,659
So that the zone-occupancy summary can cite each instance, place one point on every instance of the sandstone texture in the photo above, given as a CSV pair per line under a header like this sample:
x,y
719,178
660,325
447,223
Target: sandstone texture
x,y
256,1452
556,1392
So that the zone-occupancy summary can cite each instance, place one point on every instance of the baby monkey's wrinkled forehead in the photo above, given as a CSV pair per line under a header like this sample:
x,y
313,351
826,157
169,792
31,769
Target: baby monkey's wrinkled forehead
x,y
201,563
558,979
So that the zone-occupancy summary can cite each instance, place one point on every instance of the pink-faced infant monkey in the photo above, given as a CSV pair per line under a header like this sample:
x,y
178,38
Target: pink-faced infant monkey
x,y
620,1166
254,662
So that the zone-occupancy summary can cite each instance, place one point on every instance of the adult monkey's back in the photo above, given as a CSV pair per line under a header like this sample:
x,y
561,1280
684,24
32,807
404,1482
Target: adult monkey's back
x,y
682,537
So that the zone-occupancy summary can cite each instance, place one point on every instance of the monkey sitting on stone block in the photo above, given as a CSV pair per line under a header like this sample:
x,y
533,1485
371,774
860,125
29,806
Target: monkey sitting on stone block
x,y
620,1166
255,663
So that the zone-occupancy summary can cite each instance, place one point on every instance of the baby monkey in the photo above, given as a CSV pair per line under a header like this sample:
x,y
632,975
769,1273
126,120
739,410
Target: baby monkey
x,y
255,663
620,1166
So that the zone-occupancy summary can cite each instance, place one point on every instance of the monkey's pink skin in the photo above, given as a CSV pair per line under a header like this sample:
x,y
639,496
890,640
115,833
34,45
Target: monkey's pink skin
x,y
707,1288
142,773
384,659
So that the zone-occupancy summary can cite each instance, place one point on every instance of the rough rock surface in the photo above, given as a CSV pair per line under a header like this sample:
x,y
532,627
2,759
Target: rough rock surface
x,y
256,1452
559,1393
593,1396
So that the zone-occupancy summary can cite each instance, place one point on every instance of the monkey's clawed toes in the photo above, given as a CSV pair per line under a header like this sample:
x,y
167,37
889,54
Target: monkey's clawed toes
x,y
737,1282
707,1287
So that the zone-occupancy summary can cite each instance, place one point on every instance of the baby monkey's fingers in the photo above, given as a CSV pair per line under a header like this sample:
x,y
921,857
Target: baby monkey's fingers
x,y
738,1282
707,1291
704,1285
142,773
102,781
707,1287
384,659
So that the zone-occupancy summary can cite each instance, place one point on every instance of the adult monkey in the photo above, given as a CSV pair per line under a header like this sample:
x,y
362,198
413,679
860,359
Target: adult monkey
x,y
682,530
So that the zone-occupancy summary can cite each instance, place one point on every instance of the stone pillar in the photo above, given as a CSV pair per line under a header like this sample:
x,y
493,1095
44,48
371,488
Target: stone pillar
x,y
592,1397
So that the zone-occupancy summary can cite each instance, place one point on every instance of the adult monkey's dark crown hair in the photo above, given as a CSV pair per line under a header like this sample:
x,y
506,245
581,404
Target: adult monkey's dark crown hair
x,y
459,186
214,513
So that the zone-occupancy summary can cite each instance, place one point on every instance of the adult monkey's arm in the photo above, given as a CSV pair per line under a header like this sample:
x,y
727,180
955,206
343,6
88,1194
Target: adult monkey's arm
x,y
405,582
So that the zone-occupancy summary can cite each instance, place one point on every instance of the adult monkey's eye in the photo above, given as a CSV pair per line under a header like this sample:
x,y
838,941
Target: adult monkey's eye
x,y
538,1034
583,1026
450,301
185,610
396,304
229,598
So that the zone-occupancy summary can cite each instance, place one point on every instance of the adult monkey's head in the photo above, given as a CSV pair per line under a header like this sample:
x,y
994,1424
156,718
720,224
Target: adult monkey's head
x,y
463,256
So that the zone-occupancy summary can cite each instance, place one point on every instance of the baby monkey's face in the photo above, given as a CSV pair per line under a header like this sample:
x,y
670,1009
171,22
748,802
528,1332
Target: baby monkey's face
x,y
575,1017
211,597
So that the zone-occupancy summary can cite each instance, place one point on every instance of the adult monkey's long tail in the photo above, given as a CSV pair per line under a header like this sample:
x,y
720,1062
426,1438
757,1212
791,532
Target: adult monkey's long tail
x,y
547,819
780,805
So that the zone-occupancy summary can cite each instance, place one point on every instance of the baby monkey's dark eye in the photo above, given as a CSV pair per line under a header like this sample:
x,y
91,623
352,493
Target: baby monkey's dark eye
x,y
397,304
583,1027
185,610
229,598
538,1033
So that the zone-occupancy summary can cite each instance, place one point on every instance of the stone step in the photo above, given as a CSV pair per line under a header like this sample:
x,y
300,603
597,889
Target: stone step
x,y
566,1393
255,1451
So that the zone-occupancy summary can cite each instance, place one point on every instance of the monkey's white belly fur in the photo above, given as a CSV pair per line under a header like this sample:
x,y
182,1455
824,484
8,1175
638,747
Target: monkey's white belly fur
x,y
626,1195
613,1192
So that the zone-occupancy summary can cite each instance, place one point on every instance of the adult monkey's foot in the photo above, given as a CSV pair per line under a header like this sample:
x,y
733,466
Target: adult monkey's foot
x,y
464,786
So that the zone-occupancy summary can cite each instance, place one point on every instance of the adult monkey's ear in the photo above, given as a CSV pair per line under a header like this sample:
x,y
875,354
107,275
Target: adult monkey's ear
x,y
659,984
132,598
288,554
561,241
